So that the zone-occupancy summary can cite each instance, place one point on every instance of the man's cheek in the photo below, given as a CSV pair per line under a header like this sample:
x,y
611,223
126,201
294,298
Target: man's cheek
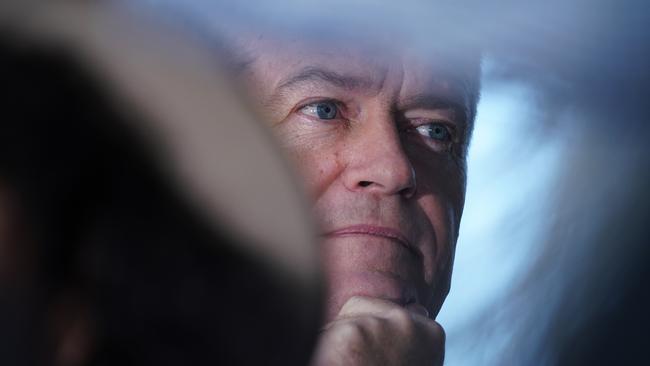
x,y
316,169
441,192
316,150
443,214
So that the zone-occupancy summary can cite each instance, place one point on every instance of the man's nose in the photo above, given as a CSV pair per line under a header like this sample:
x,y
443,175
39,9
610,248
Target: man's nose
x,y
378,163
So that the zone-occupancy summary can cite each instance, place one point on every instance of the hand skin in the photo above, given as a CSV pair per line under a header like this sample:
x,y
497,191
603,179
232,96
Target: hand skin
x,y
371,331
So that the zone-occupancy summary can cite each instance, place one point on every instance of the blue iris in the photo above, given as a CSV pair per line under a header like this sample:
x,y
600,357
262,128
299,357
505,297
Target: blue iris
x,y
326,110
434,131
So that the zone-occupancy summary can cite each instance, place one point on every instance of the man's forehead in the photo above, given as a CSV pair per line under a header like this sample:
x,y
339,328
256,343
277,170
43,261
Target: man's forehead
x,y
356,58
290,56
277,67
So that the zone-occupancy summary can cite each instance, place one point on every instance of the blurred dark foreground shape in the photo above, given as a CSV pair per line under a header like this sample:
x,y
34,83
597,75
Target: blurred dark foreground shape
x,y
141,224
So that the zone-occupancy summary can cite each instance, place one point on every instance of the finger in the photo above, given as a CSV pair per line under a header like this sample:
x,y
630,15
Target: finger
x,y
434,332
364,305
418,309
440,338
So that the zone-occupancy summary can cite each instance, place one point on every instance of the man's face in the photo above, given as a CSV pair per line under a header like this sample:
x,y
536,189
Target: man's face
x,y
379,139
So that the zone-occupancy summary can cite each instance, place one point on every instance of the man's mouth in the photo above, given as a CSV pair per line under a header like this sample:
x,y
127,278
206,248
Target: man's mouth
x,y
379,231
372,260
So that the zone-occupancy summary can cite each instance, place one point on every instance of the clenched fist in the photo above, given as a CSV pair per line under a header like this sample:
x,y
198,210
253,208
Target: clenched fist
x,y
370,331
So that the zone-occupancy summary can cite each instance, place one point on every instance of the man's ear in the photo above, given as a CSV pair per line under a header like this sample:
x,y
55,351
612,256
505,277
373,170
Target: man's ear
x,y
72,329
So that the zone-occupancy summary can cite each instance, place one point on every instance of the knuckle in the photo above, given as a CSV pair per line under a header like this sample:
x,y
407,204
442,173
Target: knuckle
x,y
374,324
400,315
352,332
362,331
438,331
357,299
352,303
403,320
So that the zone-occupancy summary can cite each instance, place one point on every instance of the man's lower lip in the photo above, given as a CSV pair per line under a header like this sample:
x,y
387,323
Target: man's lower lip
x,y
346,234
371,230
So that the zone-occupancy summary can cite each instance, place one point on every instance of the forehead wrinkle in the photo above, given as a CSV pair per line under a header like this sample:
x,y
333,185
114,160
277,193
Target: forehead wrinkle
x,y
314,74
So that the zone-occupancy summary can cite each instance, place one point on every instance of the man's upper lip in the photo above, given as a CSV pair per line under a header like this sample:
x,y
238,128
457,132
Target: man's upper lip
x,y
373,230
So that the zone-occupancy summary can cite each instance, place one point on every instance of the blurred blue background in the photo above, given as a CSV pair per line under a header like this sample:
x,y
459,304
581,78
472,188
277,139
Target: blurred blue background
x,y
512,169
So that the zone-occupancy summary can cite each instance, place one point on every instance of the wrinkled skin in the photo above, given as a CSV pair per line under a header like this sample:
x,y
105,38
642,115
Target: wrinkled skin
x,y
379,139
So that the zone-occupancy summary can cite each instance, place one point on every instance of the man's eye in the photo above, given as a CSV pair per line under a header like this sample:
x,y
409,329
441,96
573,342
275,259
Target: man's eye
x,y
435,131
322,110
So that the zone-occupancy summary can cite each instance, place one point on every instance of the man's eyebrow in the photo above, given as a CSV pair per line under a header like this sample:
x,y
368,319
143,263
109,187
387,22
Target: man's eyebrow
x,y
313,73
437,101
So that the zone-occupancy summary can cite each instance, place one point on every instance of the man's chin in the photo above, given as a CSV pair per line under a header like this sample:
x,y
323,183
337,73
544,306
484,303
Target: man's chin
x,y
374,284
